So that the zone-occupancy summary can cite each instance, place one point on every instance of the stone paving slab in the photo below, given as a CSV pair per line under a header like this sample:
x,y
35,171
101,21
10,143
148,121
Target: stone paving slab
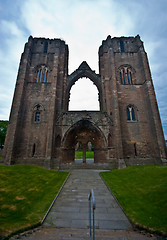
x,y
71,208
45,233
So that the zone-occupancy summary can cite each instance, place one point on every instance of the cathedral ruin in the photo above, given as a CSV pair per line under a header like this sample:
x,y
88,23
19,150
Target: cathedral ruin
x,y
125,131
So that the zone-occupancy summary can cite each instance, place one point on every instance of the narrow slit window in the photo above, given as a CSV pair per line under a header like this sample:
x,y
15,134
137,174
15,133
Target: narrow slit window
x,y
33,150
46,47
122,46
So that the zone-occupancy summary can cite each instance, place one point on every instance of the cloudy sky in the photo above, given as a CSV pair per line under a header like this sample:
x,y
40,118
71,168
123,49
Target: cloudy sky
x,y
83,24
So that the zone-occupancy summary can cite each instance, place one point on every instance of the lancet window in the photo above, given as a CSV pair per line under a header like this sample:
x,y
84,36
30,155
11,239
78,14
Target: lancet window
x,y
37,111
126,75
130,113
42,75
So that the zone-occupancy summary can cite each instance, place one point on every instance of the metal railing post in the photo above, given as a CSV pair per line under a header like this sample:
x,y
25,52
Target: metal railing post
x,y
90,216
91,196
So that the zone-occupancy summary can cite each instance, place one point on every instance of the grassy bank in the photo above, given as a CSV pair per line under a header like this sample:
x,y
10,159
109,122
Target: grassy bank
x,y
26,193
142,192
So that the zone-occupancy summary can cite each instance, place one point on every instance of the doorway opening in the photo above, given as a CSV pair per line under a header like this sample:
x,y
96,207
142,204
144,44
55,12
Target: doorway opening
x,y
84,153
78,138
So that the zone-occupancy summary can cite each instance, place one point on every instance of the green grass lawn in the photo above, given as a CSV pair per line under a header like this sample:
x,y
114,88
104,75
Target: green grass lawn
x,y
26,193
79,155
142,192
89,154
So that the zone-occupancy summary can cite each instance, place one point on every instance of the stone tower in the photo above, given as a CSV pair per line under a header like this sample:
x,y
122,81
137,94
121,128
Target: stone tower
x,y
127,130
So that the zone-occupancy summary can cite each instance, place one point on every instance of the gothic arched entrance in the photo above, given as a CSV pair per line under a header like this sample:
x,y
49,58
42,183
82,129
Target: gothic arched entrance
x,y
84,71
84,132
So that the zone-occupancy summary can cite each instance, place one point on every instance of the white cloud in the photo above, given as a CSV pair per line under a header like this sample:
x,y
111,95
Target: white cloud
x,y
82,24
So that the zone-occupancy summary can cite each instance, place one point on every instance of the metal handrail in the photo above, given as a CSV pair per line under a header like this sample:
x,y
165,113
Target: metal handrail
x,y
91,195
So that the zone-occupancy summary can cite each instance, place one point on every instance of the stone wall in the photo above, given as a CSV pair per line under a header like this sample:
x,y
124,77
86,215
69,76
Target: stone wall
x,y
127,130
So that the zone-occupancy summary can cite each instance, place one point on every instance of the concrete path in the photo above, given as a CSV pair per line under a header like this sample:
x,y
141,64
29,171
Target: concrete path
x,y
69,219
71,208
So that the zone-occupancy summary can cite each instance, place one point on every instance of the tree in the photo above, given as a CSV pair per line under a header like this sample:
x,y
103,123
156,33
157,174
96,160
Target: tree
x,y
3,130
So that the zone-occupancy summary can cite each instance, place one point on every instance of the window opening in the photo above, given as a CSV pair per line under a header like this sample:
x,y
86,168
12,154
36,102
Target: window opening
x,y
122,46
130,114
84,153
37,76
78,153
47,75
84,95
90,153
124,76
109,140
40,75
44,75
128,76
131,78
121,77
33,150
135,149
37,116
45,47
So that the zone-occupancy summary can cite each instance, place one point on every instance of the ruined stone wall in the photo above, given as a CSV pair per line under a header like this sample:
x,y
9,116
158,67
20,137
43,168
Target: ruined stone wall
x,y
126,130
125,70
41,94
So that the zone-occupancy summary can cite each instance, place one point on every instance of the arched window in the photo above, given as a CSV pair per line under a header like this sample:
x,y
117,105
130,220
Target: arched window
x,y
130,113
42,74
126,75
84,95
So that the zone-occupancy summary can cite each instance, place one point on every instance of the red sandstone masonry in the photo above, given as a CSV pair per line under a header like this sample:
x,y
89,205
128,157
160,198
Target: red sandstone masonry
x,y
117,141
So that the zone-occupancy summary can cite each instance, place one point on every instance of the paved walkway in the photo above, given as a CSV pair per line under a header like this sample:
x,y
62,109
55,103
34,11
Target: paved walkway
x,y
69,217
71,208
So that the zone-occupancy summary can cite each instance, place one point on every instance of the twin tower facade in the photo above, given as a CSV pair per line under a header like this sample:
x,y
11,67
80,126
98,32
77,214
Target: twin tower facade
x,y
126,131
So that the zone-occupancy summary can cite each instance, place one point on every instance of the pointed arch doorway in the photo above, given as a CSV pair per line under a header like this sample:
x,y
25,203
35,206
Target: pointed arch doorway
x,y
87,138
